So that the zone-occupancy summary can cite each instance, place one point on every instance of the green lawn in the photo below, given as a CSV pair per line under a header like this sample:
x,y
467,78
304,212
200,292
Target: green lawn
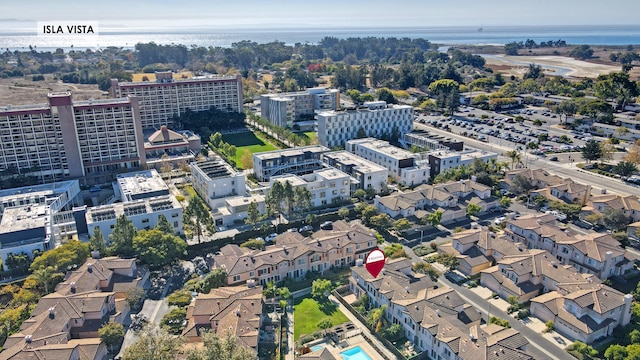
x,y
307,313
312,135
247,140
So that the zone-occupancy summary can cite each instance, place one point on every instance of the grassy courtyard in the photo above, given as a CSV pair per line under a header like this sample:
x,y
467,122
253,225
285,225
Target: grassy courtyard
x,y
247,141
308,312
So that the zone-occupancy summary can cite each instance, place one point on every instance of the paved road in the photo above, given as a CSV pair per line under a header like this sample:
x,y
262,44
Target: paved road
x,y
539,347
564,170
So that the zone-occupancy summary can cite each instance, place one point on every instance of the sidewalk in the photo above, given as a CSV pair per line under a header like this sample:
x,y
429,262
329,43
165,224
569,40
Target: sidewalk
x,y
365,331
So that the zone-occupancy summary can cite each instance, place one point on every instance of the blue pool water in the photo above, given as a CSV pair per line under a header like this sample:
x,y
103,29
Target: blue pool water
x,y
317,347
355,354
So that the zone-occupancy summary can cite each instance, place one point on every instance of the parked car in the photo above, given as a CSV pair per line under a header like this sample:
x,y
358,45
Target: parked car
x,y
271,237
306,228
327,225
553,158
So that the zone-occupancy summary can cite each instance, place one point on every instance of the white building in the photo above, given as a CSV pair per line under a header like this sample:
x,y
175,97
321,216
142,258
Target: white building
x,y
367,174
327,186
160,100
298,161
35,217
143,213
284,109
375,119
140,185
441,161
403,165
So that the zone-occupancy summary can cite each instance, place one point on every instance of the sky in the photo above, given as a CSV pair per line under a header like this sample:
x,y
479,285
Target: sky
x,y
163,14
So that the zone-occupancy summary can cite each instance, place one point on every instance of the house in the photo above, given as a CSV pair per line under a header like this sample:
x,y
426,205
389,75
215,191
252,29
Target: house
x,y
567,191
65,323
435,320
293,255
450,198
233,309
598,254
538,178
586,314
629,204
464,247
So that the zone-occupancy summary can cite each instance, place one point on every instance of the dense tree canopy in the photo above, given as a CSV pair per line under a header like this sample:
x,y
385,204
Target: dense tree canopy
x,y
157,248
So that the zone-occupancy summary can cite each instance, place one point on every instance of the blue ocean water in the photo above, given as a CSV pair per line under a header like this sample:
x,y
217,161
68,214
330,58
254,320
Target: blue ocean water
x,y
593,35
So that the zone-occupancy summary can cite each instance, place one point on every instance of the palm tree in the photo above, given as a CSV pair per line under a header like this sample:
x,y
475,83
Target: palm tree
x,y
515,156
376,318
44,277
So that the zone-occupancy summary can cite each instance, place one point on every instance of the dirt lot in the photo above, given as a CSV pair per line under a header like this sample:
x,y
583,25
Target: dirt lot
x,y
574,68
22,91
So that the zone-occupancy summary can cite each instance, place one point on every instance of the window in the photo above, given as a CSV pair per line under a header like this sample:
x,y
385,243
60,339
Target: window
x,y
251,274
236,278
144,221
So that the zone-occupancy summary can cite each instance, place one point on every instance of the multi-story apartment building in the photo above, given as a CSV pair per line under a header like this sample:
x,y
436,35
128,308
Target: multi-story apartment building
x,y
375,119
36,218
441,161
285,109
403,165
367,174
425,140
327,186
160,100
175,148
598,254
293,255
297,161
64,139
144,197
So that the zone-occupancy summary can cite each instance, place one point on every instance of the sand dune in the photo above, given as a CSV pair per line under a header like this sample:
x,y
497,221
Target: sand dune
x,y
555,65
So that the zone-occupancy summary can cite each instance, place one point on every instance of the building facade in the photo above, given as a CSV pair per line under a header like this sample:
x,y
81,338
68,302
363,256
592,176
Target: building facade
x,y
327,186
284,109
441,161
375,119
175,148
160,100
297,161
403,165
367,174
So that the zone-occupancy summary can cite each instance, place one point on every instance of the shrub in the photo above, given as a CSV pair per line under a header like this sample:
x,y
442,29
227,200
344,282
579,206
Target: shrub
x,y
522,314
549,326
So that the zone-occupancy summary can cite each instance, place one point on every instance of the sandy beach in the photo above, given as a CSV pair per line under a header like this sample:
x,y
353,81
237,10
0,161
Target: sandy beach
x,y
553,65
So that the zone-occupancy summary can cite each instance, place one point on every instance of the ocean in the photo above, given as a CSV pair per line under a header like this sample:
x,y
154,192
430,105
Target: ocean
x,y
592,35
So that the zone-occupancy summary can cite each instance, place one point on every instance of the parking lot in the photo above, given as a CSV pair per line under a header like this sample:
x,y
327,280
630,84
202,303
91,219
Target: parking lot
x,y
502,129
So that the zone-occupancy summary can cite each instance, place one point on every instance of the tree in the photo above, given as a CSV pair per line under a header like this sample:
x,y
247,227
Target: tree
x,y
395,251
97,243
381,221
633,155
567,108
615,352
325,323
449,261
172,321
473,209
111,334
254,244
247,159
156,248
625,168
320,287
164,225
156,344
426,268
435,218
534,72
616,86
215,279
179,298
253,214
582,52
582,348
45,278
402,225
223,346
343,213
71,253
360,194
615,219
134,296
607,149
376,318
121,238
505,202
386,95
19,261
393,332
197,210
301,201
446,93
515,157
520,185
311,219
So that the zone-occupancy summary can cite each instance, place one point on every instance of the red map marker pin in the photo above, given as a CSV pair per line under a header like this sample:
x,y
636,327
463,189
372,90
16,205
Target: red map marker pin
x,y
375,262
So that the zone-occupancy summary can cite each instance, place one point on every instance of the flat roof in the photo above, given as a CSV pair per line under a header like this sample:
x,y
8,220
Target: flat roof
x,y
136,207
383,147
331,173
240,200
140,182
214,168
294,180
349,159
276,154
178,81
23,218
43,189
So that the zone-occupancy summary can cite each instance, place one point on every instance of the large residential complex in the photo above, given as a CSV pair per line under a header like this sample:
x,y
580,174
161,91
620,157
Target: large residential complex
x,y
375,119
287,109
35,218
293,255
144,197
367,174
297,161
64,139
403,165
160,100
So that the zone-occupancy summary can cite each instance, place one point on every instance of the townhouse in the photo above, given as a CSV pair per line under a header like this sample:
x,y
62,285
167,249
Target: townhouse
x,y
598,254
293,255
435,320
236,310
65,323
327,186
628,204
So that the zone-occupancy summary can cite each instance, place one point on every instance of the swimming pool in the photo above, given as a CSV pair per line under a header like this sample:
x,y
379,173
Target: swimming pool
x,y
317,347
355,353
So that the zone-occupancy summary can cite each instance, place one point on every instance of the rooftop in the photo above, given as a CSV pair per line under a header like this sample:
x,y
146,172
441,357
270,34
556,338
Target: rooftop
x,y
139,183
348,159
383,147
276,154
132,208
37,190
24,218
195,78
214,169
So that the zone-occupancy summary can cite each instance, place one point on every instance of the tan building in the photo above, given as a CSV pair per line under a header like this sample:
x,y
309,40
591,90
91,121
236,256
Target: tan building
x,y
160,100
629,204
176,148
293,255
